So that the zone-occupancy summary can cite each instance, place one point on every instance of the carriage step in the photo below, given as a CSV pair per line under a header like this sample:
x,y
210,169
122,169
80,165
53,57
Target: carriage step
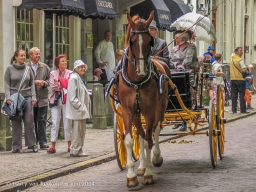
x,y
168,134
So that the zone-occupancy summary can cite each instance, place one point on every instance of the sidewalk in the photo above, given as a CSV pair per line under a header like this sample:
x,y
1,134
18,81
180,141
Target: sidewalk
x,y
18,171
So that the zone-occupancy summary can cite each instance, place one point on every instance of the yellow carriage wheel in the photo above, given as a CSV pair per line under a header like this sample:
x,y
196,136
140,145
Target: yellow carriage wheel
x,y
136,144
221,125
213,132
119,131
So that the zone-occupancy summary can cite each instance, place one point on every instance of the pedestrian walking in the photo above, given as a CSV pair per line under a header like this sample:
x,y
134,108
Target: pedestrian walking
x,y
78,108
19,78
41,74
56,105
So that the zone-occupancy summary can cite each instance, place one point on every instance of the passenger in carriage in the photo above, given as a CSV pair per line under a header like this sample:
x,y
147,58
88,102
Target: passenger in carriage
x,y
159,44
184,56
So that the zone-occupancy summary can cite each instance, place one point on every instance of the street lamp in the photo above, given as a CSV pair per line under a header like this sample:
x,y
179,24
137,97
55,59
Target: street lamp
x,y
201,10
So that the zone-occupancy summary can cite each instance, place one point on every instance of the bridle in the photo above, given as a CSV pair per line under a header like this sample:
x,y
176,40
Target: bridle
x,y
130,44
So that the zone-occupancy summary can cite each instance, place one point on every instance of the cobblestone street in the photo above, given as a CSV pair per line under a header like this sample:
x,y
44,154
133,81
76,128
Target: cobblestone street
x,y
186,167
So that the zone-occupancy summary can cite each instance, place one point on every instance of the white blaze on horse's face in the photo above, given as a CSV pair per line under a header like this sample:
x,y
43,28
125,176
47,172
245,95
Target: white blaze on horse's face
x,y
141,71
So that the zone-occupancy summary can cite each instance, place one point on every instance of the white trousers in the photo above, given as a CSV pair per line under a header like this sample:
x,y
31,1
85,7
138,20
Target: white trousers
x,y
78,136
56,117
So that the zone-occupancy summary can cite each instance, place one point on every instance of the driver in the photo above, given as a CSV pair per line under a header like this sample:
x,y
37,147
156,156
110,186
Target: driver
x,y
184,56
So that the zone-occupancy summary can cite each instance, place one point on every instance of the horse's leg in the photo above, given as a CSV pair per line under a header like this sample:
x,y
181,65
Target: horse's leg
x,y
157,159
141,168
132,180
141,135
148,176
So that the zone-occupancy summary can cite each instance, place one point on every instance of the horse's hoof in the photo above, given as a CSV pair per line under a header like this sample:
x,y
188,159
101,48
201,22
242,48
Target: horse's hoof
x,y
158,164
147,180
132,182
141,171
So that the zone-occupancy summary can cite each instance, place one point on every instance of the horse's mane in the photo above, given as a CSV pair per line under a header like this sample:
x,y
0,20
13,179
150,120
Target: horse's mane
x,y
135,19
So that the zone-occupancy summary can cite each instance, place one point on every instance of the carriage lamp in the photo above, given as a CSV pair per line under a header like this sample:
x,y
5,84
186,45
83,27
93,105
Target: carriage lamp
x,y
201,10
191,7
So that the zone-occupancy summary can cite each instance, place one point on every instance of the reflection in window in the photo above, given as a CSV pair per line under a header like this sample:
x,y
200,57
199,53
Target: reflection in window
x,y
62,35
24,30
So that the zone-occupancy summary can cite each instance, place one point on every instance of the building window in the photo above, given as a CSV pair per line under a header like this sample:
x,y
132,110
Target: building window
x,y
24,30
62,35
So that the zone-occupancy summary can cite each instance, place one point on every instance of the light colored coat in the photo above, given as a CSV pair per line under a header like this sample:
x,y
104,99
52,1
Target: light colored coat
x,y
78,105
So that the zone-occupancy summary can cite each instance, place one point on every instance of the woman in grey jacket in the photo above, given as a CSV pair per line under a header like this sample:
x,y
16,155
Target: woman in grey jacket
x,y
78,108
12,79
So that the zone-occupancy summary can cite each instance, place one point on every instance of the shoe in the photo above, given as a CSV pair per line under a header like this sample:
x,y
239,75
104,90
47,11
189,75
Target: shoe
x,y
245,111
249,107
69,150
183,127
51,150
176,126
15,151
35,149
234,111
80,155
44,146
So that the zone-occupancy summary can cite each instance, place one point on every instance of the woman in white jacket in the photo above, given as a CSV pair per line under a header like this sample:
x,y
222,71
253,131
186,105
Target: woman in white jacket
x,y
78,107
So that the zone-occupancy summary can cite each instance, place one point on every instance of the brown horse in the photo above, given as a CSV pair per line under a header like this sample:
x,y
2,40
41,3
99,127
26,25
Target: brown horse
x,y
138,93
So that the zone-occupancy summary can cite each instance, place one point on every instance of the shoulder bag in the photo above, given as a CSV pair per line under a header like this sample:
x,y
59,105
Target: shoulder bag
x,y
3,110
244,74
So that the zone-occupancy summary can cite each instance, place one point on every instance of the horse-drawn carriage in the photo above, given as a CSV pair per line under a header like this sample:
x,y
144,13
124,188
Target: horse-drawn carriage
x,y
148,97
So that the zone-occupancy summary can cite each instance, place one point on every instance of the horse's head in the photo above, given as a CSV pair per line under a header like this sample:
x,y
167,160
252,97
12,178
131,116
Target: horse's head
x,y
140,42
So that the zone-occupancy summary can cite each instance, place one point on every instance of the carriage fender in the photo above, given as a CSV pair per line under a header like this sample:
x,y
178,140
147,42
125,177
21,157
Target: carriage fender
x,y
161,66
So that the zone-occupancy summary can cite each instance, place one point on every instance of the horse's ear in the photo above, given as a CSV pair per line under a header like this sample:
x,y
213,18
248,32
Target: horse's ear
x,y
150,18
130,20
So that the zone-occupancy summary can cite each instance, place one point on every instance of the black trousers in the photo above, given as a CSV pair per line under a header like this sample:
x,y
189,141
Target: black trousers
x,y
40,118
238,86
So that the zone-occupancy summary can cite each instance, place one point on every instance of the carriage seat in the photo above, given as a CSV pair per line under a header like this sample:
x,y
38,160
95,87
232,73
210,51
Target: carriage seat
x,y
182,81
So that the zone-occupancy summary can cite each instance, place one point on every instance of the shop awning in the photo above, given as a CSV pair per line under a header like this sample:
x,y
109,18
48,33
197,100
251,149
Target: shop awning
x,y
162,14
65,7
177,8
103,9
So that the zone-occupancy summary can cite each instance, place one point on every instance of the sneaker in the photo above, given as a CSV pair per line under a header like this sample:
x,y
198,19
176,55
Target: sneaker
x,y
183,127
44,146
176,126
249,107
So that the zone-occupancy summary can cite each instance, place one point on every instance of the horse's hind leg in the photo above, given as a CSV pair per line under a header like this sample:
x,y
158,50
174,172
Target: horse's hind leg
x,y
148,176
157,159
141,168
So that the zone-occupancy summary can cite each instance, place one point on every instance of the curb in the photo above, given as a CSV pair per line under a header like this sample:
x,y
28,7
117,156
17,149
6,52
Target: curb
x,y
37,180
